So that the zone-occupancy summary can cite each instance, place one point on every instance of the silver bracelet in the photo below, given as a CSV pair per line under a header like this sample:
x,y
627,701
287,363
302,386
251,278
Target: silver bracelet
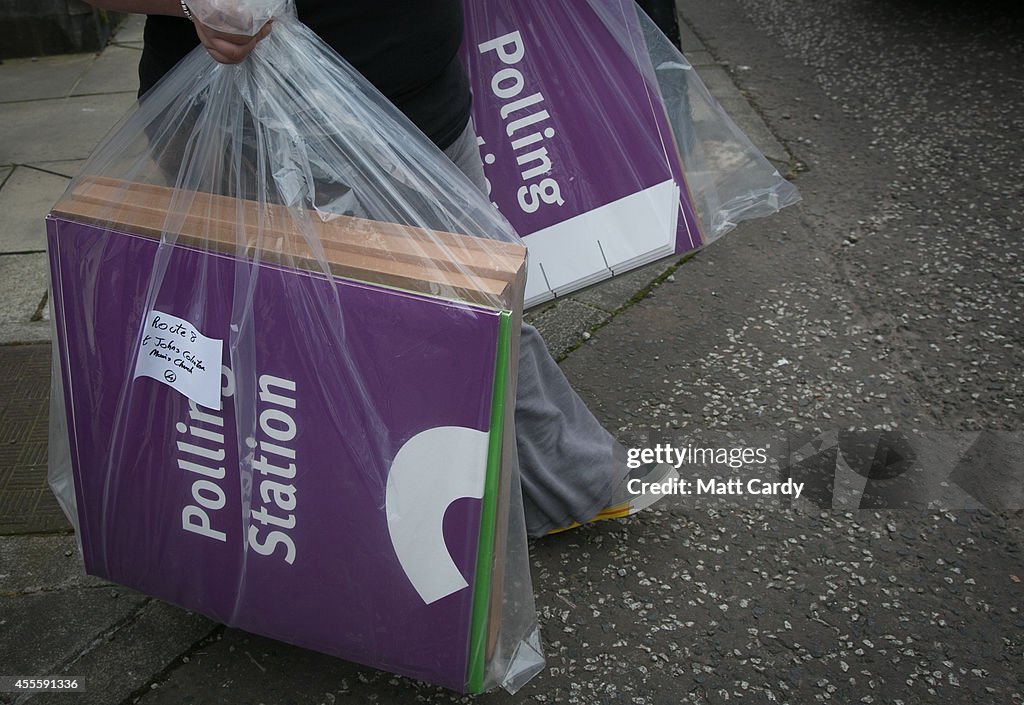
x,y
188,12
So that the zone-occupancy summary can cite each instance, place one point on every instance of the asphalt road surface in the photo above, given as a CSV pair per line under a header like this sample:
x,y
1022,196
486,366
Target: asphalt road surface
x,y
889,300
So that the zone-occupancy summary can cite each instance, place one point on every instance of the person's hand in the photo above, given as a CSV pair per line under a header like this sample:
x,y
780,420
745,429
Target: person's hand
x,y
229,48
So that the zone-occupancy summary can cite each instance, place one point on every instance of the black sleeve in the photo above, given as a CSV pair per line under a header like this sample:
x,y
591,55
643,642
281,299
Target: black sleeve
x,y
408,49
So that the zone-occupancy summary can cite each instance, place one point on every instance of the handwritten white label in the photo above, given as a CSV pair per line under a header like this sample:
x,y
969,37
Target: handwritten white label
x,y
174,352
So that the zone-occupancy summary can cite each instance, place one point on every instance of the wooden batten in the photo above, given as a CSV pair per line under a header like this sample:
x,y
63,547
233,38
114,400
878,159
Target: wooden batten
x,y
450,265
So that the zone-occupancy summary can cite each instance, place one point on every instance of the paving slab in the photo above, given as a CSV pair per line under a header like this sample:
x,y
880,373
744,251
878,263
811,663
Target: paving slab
x,y
60,129
720,84
46,77
4,173
130,32
22,333
130,657
755,128
718,81
611,295
116,70
688,38
243,668
40,630
67,168
25,280
698,59
25,199
33,564
562,324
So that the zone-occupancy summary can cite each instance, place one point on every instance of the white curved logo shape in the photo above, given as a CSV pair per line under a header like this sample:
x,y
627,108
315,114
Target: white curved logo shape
x,y
433,469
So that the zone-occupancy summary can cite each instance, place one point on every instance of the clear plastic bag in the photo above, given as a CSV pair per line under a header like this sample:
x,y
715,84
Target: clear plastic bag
x,y
601,144
245,17
729,180
285,352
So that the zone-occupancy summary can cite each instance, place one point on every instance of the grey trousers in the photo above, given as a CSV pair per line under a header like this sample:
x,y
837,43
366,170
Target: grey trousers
x,y
568,463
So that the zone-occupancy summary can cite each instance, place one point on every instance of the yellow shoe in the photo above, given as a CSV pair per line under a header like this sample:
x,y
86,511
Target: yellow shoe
x,y
623,502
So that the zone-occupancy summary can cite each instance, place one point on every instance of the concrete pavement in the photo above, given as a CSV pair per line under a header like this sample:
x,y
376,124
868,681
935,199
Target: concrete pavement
x,y
53,110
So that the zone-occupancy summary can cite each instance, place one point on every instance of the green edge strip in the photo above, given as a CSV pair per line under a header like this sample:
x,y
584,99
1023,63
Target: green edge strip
x,y
488,515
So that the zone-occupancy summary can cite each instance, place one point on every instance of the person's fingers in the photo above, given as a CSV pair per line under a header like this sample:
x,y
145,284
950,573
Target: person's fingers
x,y
239,39
227,48
226,52
220,58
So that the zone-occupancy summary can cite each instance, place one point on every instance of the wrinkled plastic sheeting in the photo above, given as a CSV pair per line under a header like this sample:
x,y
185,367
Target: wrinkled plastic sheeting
x,y
252,161
729,179
245,17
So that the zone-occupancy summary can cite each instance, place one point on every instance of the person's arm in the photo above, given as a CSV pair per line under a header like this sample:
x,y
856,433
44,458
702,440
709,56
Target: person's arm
x,y
222,46
142,7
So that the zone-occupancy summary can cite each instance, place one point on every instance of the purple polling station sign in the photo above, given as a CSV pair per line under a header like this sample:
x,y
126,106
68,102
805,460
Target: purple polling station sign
x,y
344,514
577,149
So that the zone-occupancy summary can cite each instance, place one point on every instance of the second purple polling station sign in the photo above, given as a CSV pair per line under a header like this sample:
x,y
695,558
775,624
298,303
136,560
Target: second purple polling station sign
x,y
577,148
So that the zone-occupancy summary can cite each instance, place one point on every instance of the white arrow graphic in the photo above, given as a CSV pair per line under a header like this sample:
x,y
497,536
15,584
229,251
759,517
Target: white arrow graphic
x,y
433,469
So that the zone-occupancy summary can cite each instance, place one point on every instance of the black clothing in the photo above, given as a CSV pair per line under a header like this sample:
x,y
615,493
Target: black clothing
x,y
663,12
406,48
